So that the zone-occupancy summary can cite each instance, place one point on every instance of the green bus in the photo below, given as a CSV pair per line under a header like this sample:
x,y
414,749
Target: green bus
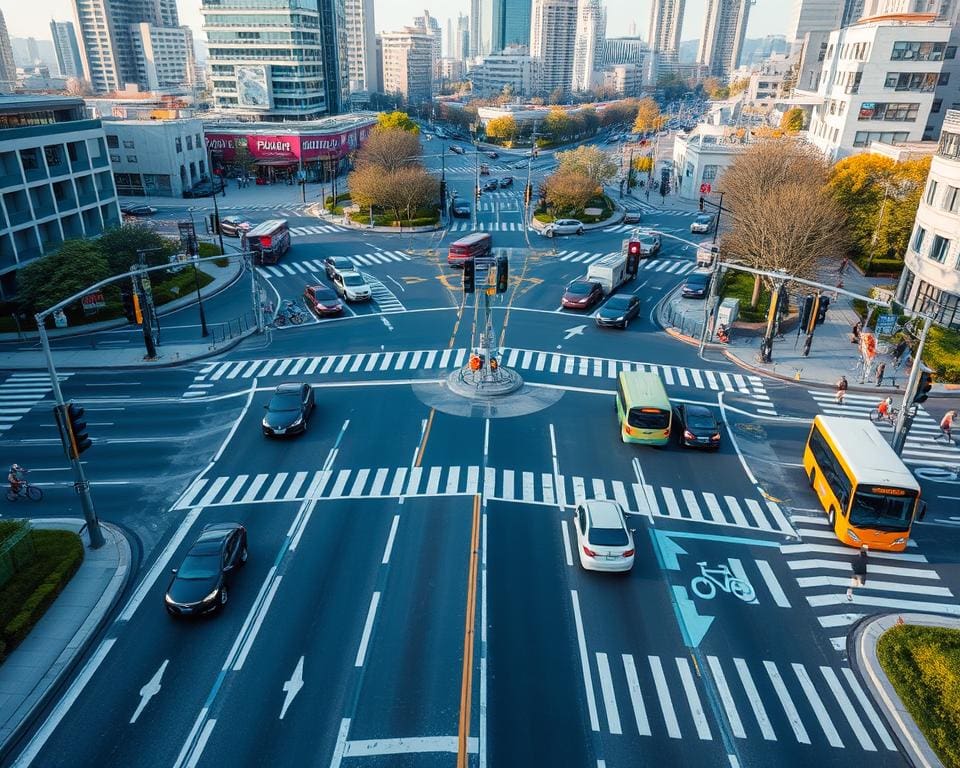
x,y
643,408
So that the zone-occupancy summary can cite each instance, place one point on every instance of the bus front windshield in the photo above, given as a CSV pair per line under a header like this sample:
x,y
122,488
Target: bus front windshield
x,y
882,512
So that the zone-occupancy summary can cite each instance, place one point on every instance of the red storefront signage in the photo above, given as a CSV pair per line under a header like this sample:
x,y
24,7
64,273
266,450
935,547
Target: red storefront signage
x,y
287,146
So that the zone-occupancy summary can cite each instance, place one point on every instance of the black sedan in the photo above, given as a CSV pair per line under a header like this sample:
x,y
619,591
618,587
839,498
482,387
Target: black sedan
x,y
618,311
139,210
460,209
491,186
199,585
506,181
582,294
696,285
288,409
698,427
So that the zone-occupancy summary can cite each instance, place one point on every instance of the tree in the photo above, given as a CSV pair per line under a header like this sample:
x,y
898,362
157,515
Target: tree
x,y
713,88
648,115
792,120
738,86
364,186
389,148
120,247
52,278
415,188
397,119
502,128
589,161
783,215
589,120
557,96
557,125
569,192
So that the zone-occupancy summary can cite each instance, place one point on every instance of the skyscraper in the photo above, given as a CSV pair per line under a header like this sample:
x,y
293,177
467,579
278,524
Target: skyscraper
x,y
8,68
810,15
588,49
68,52
408,64
430,25
723,32
553,27
474,29
361,46
666,21
516,22
459,45
277,59
852,10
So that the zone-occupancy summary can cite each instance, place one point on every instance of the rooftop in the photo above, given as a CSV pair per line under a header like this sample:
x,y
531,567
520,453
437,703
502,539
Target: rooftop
x,y
17,102
214,121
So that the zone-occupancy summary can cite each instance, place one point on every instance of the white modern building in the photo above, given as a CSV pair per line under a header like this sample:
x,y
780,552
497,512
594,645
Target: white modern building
x,y
553,28
811,16
878,81
67,49
164,55
55,179
725,26
666,23
623,79
766,82
408,64
930,282
513,68
700,158
156,158
361,46
588,49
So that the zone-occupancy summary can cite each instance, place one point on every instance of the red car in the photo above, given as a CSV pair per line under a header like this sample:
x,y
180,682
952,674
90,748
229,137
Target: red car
x,y
582,294
322,300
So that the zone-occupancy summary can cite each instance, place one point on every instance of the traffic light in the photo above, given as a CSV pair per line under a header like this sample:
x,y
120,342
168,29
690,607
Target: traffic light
x,y
478,191
469,275
924,385
633,262
701,203
634,248
443,192
806,309
502,274
822,306
126,299
73,429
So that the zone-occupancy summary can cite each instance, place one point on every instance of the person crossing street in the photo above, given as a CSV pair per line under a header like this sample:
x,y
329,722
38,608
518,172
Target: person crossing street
x,y
841,389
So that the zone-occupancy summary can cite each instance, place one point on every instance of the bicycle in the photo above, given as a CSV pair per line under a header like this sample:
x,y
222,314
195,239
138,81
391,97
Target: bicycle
x,y
705,585
25,491
289,311
890,417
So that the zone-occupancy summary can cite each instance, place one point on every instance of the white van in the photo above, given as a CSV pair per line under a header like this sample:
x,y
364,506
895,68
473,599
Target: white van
x,y
610,271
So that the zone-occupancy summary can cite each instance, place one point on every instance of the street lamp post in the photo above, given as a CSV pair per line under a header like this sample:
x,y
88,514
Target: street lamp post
x,y
194,254
216,208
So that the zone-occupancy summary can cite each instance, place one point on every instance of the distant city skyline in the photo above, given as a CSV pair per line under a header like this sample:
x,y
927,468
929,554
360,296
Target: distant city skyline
x,y
767,17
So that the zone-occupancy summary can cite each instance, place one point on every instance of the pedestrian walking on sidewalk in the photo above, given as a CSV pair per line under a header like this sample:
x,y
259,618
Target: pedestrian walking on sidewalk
x,y
843,265
855,332
841,389
880,370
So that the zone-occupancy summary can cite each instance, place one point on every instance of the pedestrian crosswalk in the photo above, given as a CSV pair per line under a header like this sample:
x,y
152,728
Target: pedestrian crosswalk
x,y
280,208
487,226
921,446
446,359
896,581
315,266
19,392
766,699
509,485
675,266
316,229
385,298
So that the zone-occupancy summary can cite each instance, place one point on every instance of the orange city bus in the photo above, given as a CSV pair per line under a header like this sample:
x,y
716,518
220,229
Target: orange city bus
x,y
869,496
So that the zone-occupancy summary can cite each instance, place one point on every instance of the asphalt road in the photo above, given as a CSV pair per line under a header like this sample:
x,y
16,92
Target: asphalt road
x,y
413,586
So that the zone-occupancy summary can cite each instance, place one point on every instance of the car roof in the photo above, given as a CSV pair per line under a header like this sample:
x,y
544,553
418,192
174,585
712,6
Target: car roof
x,y
694,409
604,514
582,281
622,297
291,386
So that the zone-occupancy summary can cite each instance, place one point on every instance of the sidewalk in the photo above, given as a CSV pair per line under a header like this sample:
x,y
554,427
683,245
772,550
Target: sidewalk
x,y
862,652
252,196
36,667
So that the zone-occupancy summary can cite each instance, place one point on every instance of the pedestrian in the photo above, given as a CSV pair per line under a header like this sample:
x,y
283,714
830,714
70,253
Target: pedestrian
x,y
880,370
859,578
946,425
843,265
841,389
855,332
898,352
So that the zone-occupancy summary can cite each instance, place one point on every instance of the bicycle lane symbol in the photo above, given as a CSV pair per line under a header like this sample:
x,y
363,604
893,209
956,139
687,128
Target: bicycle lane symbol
x,y
728,577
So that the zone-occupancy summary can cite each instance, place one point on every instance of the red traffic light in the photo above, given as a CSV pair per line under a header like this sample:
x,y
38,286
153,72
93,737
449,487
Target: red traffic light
x,y
634,248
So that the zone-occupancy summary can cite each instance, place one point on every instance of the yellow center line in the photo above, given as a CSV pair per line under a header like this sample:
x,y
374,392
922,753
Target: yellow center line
x,y
426,434
466,685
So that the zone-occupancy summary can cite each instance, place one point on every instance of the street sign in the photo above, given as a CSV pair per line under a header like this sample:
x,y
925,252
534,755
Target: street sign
x,y
93,301
59,318
885,324
705,189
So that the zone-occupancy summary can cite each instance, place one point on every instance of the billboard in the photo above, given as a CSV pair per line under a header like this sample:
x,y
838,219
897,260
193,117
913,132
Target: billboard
x,y
253,86
287,146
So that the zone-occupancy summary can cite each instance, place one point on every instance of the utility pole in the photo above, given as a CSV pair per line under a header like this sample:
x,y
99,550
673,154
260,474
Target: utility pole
x,y
711,305
907,408
716,227
151,319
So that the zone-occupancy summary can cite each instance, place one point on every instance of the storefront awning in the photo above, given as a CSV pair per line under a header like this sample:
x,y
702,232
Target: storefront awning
x,y
276,161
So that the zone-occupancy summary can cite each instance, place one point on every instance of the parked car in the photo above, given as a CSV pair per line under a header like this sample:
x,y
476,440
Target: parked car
x,y
457,150
696,285
234,226
650,242
492,155
351,286
334,264
582,294
491,186
563,227
604,542
618,311
703,224
506,181
460,209
698,427
140,210
199,584
631,217
484,169
322,300
288,410
205,188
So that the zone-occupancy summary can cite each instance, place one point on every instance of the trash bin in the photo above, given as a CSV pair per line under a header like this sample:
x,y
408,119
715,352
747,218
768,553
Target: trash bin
x,y
728,312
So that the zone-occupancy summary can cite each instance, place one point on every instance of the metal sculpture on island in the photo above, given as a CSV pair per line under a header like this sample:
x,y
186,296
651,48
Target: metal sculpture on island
x,y
483,375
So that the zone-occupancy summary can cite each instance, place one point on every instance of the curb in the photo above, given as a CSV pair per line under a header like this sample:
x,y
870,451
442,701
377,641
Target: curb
x,y
862,654
71,655
312,210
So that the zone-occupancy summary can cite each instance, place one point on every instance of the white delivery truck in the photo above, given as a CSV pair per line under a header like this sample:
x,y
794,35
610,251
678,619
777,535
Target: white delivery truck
x,y
707,253
610,271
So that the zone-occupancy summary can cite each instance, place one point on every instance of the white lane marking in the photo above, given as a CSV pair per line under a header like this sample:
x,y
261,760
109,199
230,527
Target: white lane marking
x,y
149,690
663,694
609,698
201,743
566,542
292,687
390,538
823,717
846,706
868,708
367,628
341,744
636,699
261,613
585,662
793,717
770,579
407,746
693,699
736,724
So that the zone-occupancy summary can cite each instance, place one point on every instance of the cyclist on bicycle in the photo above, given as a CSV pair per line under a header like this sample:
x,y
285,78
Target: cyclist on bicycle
x,y
15,477
885,408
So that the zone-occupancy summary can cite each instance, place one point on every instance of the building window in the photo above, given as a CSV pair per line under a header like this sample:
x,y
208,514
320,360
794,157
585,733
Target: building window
x,y
951,199
900,112
935,106
918,236
127,144
916,51
939,248
178,144
709,172
924,82
189,143
931,192
863,138
114,158
131,158
53,156
113,142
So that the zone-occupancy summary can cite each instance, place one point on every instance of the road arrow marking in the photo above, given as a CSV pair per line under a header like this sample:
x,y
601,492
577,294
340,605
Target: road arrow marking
x,y
576,331
669,551
292,687
150,690
413,280
693,625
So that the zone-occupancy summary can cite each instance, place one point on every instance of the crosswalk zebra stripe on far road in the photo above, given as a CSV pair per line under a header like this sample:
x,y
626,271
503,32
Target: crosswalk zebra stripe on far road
x,y
316,229
20,392
674,266
315,266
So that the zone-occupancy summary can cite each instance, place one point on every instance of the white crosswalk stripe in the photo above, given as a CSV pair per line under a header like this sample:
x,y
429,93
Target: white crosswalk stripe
x,y
315,266
316,229
762,699
674,266
488,226
921,446
528,360
19,392
385,298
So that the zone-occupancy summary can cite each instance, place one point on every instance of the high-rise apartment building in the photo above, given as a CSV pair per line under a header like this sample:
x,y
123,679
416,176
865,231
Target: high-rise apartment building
x,y
458,46
553,28
361,46
516,22
474,29
68,51
812,15
852,10
430,25
944,9
8,67
723,32
588,49
408,64
164,55
666,21
277,59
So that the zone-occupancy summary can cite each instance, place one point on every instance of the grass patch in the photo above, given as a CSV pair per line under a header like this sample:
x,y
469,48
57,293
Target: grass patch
x,y
739,285
942,353
29,592
380,219
923,663
546,215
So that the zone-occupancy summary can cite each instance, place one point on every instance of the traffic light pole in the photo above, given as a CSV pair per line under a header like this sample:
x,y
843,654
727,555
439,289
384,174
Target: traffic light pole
x,y
80,483
904,421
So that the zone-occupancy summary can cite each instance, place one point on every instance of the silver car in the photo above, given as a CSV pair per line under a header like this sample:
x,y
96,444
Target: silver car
x,y
351,286
563,227
702,224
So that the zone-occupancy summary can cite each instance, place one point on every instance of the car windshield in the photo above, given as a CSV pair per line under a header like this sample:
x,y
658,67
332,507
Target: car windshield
x,y
285,402
579,288
882,512
618,304
196,567
704,219
697,281
701,420
609,537
323,294
647,240
341,263
353,280
648,418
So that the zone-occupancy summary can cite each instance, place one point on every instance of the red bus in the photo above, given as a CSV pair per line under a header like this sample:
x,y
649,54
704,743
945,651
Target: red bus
x,y
477,245
268,241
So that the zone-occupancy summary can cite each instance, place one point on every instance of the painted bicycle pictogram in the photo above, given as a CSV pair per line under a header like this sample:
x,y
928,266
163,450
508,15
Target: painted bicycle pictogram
x,y
710,579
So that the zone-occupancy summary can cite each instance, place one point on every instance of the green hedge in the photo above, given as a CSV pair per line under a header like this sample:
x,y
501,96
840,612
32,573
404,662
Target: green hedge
x,y
880,266
205,250
739,285
923,663
27,595
942,353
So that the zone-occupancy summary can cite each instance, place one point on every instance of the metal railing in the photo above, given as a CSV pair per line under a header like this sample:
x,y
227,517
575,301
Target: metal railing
x,y
687,325
232,328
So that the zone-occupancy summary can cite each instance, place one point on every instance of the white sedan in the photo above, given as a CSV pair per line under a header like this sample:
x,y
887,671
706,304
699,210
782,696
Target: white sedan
x,y
563,227
604,542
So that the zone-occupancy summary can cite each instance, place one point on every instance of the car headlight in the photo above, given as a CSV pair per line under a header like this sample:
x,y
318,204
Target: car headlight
x,y
211,596
264,424
900,540
852,535
168,600
618,319
298,422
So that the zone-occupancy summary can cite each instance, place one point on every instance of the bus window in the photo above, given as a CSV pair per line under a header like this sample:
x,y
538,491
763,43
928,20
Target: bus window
x,y
882,511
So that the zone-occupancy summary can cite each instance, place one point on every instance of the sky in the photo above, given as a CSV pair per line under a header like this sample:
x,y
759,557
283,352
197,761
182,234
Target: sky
x,y
32,19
